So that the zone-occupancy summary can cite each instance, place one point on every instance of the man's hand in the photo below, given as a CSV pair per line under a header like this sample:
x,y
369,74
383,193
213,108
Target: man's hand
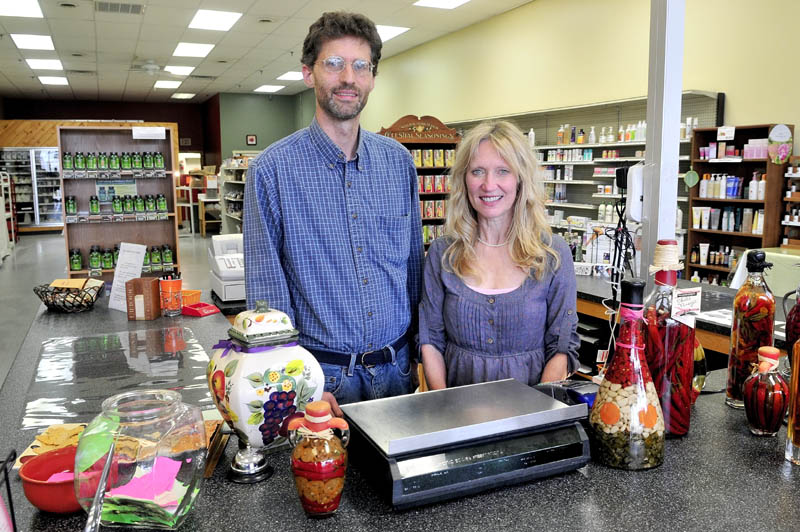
x,y
328,396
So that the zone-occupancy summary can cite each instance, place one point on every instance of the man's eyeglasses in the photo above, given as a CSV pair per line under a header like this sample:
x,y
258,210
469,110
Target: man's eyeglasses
x,y
335,64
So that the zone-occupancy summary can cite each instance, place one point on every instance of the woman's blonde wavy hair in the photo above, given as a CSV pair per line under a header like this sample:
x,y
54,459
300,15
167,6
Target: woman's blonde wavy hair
x,y
530,237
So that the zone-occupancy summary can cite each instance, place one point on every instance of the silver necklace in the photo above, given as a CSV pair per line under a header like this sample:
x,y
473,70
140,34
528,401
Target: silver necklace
x,y
485,243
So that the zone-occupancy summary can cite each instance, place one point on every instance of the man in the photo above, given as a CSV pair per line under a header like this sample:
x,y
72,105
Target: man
x,y
332,229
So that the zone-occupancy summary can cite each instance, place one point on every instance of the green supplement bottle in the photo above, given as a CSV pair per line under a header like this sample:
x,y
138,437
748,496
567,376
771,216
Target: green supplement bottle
x,y
155,259
67,161
161,203
150,203
75,260
102,161
113,161
125,161
158,160
79,161
116,255
116,205
94,205
95,258
127,204
146,262
71,205
147,160
138,203
108,259
166,254
91,161
136,161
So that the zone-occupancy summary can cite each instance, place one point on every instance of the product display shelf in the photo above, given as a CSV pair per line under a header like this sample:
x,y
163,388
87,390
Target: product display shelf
x,y
35,174
10,218
573,182
432,145
232,178
82,231
791,202
737,241
641,143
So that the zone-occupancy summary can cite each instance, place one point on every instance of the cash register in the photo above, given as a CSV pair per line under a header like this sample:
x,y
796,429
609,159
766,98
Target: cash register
x,y
226,257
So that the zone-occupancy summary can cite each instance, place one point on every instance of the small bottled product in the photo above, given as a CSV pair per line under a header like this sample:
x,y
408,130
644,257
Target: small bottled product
x,y
91,161
113,161
138,203
158,160
127,204
161,203
762,187
621,134
108,259
752,192
125,161
146,263
75,260
581,136
766,394
609,213
560,135
147,160
116,205
116,254
601,213
695,277
166,254
95,258
531,138
573,135
155,259
66,163
695,256
150,203
94,205
703,193
602,135
79,161
102,161
136,161
71,205
592,136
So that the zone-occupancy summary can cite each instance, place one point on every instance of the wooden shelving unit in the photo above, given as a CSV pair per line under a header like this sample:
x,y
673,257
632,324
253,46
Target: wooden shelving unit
x,y
428,134
105,233
744,168
791,201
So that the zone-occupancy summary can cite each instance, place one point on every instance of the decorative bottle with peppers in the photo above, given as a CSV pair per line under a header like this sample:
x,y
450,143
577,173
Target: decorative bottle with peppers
x,y
753,324
793,426
792,322
766,394
319,458
626,417
670,352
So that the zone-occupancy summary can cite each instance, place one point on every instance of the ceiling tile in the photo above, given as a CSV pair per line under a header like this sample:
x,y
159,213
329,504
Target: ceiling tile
x,y
249,23
294,28
168,16
176,3
67,45
237,6
280,8
83,10
127,46
211,68
71,28
117,31
160,33
315,8
202,36
34,26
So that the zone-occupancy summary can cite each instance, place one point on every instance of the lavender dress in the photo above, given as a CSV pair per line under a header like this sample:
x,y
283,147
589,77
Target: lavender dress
x,y
492,337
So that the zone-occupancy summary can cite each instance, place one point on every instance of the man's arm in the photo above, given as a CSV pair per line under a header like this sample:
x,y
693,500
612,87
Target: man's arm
x,y
416,251
263,238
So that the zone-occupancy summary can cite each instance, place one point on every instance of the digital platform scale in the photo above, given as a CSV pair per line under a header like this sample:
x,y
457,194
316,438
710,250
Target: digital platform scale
x,y
428,447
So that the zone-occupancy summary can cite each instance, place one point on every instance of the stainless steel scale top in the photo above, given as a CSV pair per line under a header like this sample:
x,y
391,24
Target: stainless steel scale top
x,y
422,421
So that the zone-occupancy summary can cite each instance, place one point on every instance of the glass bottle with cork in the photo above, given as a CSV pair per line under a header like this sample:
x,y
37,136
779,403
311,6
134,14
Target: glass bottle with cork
x,y
753,326
766,394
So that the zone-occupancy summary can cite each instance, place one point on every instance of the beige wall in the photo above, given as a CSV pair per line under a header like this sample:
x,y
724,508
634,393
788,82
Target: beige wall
x,y
554,53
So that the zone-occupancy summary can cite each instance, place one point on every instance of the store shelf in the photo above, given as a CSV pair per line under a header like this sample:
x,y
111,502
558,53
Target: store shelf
x,y
730,233
681,199
229,198
716,268
421,194
722,200
573,181
790,224
791,175
792,200
604,145
619,160
568,205
235,217
432,219
562,163
235,182
734,160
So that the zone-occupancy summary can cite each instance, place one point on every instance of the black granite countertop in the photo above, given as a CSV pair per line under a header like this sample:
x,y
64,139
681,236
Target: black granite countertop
x,y
714,298
718,477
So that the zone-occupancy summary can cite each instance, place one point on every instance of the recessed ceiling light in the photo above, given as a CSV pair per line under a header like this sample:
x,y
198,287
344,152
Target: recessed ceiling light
x,y
292,75
21,8
265,20
183,95
179,70
390,32
441,4
222,61
166,84
207,19
32,42
76,54
192,49
45,64
269,88
53,80
67,4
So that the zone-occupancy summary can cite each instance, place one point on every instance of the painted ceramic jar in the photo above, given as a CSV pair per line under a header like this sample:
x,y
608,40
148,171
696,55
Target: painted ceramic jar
x,y
319,458
260,378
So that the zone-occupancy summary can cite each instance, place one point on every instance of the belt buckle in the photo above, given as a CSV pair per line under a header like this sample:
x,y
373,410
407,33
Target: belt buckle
x,y
363,362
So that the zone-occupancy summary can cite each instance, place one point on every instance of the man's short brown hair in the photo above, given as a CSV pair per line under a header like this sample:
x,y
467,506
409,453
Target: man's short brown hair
x,y
334,25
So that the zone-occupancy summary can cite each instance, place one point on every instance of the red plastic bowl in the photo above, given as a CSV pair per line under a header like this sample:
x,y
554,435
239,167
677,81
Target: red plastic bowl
x,y
55,497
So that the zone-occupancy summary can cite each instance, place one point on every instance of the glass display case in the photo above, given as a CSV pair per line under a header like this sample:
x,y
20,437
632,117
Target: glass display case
x,y
37,185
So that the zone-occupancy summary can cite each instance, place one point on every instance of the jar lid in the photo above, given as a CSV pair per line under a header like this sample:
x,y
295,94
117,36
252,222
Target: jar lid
x,y
632,291
757,261
263,326
768,358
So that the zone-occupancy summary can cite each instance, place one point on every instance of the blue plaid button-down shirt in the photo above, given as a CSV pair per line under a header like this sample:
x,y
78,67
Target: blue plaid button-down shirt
x,y
335,244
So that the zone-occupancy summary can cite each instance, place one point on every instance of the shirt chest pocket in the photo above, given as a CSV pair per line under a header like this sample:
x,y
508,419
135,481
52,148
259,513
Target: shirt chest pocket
x,y
390,238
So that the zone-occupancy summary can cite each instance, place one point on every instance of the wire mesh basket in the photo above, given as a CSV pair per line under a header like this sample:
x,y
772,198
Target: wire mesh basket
x,y
67,299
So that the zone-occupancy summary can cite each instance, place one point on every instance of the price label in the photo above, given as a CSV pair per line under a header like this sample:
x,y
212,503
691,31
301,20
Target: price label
x,y
726,132
153,133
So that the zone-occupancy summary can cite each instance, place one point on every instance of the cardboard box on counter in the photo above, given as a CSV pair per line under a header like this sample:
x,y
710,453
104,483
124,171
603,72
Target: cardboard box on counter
x,y
143,299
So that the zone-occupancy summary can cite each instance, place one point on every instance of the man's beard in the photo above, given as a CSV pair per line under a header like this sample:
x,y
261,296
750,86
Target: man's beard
x,y
338,111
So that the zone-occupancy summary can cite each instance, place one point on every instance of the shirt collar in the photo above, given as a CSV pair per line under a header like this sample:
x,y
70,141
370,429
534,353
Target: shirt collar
x,y
331,152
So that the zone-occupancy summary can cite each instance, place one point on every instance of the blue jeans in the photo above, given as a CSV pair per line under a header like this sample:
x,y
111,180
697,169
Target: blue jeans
x,y
358,383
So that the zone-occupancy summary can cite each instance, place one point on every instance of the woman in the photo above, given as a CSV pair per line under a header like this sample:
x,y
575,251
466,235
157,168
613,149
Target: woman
x,y
499,298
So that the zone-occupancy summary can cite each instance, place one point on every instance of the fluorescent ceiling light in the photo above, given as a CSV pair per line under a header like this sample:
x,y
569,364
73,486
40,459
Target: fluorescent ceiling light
x,y
45,64
183,95
166,84
269,88
53,80
20,8
292,75
441,4
179,70
207,19
192,49
32,42
390,32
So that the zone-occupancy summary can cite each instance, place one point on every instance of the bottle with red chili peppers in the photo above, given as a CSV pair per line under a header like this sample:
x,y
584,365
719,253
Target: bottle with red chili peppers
x,y
753,325
670,355
792,322
793,426
627,423
765,394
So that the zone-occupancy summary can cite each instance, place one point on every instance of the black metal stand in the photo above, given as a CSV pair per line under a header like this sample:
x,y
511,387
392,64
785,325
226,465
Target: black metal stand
x,y
7,464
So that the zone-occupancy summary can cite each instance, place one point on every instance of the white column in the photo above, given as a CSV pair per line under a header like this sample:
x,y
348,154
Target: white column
x,y
665,82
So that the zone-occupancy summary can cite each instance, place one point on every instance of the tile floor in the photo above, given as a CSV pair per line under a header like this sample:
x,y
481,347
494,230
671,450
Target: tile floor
x,y
40,258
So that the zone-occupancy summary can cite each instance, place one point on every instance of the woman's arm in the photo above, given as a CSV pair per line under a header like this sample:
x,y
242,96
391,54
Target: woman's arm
x,y
555,369
433,364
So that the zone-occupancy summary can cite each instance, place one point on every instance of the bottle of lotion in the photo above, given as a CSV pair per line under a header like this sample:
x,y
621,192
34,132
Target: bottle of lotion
x,y
762,187
592,136
531,138
752,192
704,187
